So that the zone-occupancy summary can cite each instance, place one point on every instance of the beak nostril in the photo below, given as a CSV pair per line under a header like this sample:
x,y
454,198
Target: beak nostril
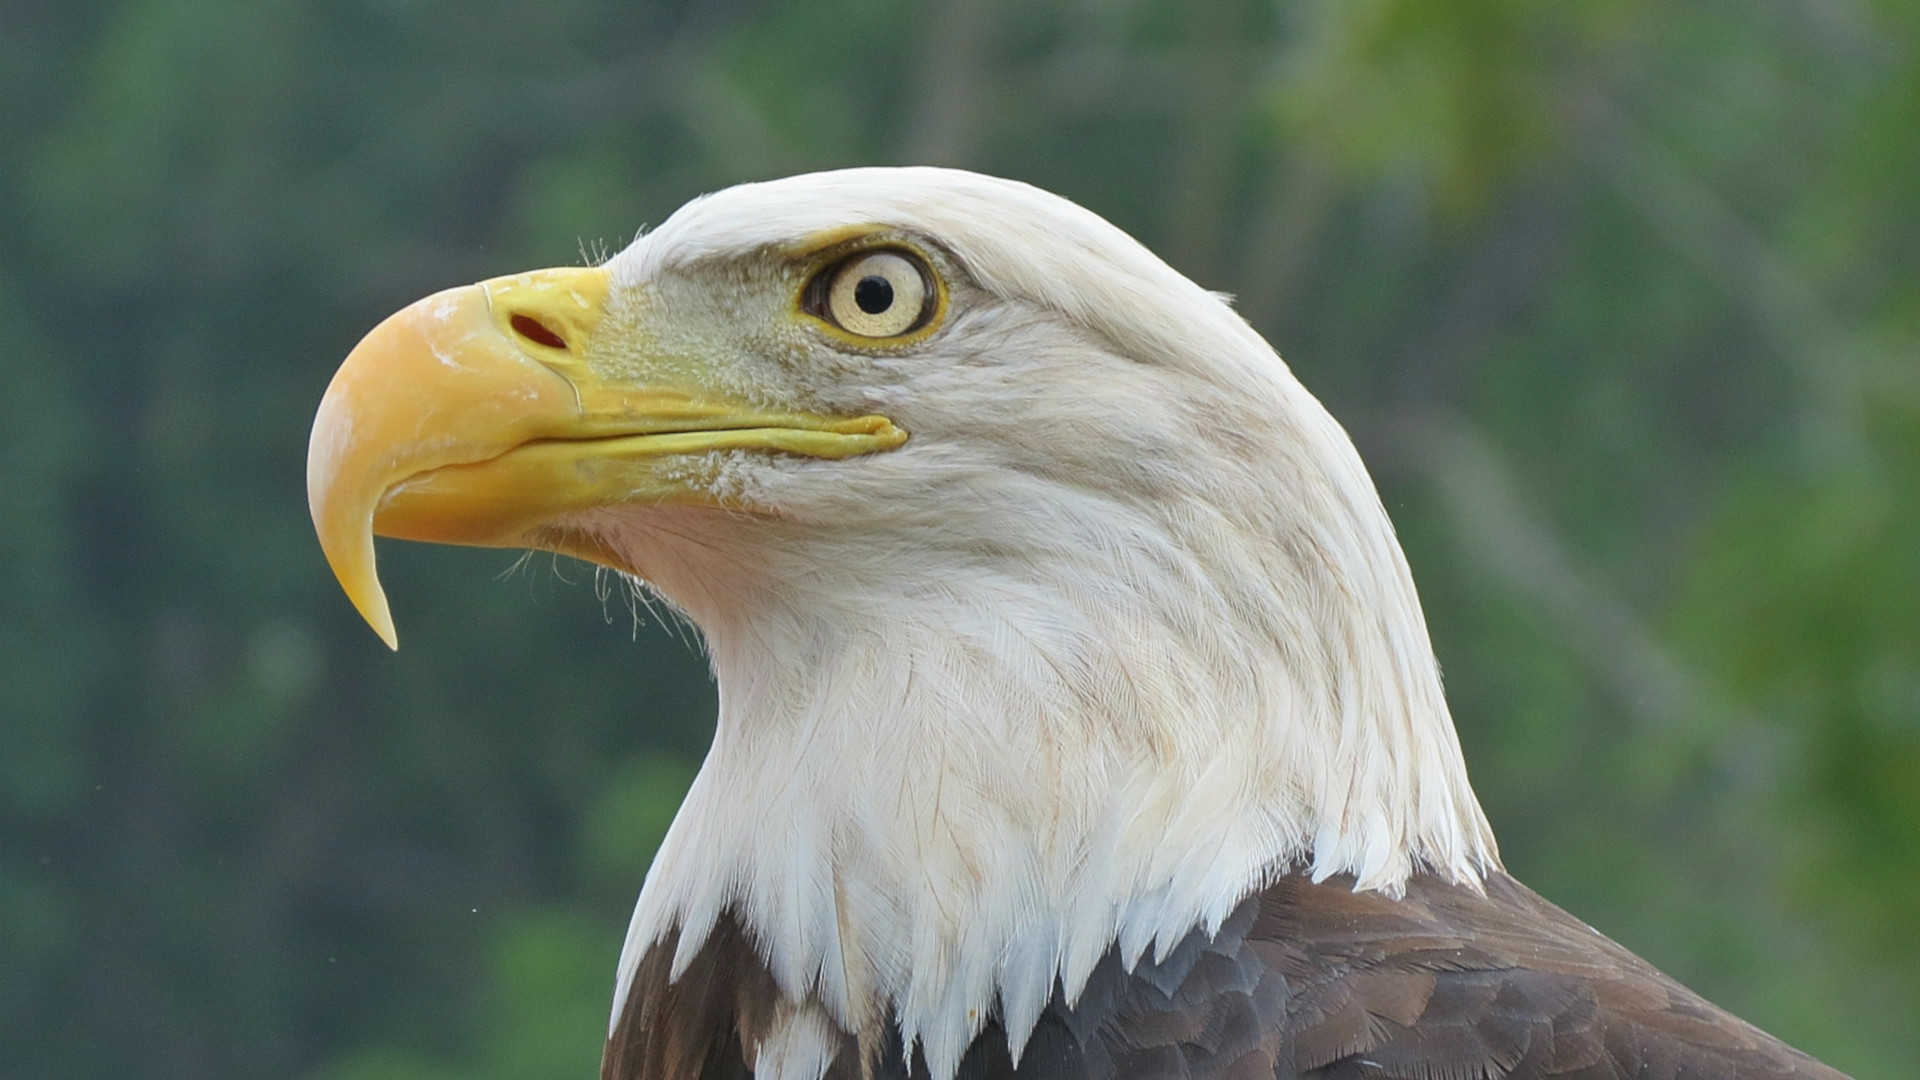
x,y
536,331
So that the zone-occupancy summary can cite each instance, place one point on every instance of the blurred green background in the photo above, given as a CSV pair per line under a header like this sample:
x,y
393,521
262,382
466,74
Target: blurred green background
x,y
1620,299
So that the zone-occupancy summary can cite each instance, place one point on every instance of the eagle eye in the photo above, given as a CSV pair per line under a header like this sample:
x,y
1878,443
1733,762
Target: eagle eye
x,y
875,294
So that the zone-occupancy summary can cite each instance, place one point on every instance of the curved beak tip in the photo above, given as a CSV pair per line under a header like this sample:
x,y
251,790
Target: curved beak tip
x,y
343,515
351,559
379,618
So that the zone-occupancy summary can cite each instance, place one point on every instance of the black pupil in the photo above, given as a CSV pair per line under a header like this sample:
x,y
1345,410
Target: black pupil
x,y
874,294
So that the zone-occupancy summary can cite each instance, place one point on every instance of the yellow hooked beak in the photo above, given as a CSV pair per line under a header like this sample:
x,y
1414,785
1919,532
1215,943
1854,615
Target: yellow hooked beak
x,y
474,417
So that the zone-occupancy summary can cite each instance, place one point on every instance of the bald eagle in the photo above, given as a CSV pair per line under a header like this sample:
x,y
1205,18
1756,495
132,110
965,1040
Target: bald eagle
x,y
1078,717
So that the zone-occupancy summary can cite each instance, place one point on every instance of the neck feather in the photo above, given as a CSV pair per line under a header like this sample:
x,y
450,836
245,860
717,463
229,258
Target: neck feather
x,y
939,786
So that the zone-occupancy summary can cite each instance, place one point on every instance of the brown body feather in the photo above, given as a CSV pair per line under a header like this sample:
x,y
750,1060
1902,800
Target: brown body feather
x,y
1303,981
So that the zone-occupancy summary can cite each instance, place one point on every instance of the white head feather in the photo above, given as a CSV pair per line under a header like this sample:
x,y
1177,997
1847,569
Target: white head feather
x,y
1122,632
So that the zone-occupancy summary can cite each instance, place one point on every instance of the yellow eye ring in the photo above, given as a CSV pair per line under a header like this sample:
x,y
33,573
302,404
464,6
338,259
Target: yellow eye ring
x,y
878,294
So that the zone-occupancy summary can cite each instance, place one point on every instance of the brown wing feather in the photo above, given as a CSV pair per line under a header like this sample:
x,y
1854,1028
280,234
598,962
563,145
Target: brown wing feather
x,y
700,1024
1304,982
1515,988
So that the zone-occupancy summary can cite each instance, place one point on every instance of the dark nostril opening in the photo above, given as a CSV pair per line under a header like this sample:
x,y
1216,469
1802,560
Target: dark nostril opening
x,y
536,331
